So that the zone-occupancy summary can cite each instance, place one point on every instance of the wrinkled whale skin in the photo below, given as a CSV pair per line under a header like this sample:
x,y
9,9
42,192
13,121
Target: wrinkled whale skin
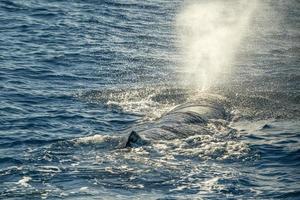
x,y
183,121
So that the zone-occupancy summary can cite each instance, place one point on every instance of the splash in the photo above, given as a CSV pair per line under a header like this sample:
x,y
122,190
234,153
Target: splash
x,y
150,102
210,34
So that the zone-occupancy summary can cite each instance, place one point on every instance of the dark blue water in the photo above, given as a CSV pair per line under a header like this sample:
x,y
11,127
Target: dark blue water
x,y
76,74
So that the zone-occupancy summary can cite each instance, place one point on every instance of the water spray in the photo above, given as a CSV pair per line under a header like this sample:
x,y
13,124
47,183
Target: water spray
x,y
210,33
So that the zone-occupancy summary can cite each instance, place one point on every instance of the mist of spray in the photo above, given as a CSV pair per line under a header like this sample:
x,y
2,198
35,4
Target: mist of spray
x,y
210,33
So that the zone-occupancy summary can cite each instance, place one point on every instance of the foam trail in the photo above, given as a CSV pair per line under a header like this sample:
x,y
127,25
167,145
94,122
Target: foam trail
x,y
210,33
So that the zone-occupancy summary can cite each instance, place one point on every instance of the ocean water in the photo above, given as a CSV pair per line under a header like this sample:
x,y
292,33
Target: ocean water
x,y
75,75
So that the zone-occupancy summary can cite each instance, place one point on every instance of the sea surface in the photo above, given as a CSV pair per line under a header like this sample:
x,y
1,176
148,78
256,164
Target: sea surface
x,y
76,74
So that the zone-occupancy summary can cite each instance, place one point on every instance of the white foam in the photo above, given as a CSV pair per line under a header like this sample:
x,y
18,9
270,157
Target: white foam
x,y
24,181
84,189
49,169
96,139
218,141
90,139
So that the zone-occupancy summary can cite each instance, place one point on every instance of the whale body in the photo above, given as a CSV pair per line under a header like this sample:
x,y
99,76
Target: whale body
x,y
181,122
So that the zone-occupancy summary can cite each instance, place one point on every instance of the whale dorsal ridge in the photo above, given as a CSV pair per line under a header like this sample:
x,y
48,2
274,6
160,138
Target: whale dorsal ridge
x,y
135,140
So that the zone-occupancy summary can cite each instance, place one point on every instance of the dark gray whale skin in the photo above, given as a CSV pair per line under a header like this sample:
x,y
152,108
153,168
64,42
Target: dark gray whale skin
x,y
183,121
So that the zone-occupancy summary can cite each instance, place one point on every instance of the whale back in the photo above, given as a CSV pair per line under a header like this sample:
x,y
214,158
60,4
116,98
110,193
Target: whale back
x,y
181,122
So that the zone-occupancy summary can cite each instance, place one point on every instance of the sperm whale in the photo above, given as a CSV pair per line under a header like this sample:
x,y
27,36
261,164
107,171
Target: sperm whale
x,y
183,121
